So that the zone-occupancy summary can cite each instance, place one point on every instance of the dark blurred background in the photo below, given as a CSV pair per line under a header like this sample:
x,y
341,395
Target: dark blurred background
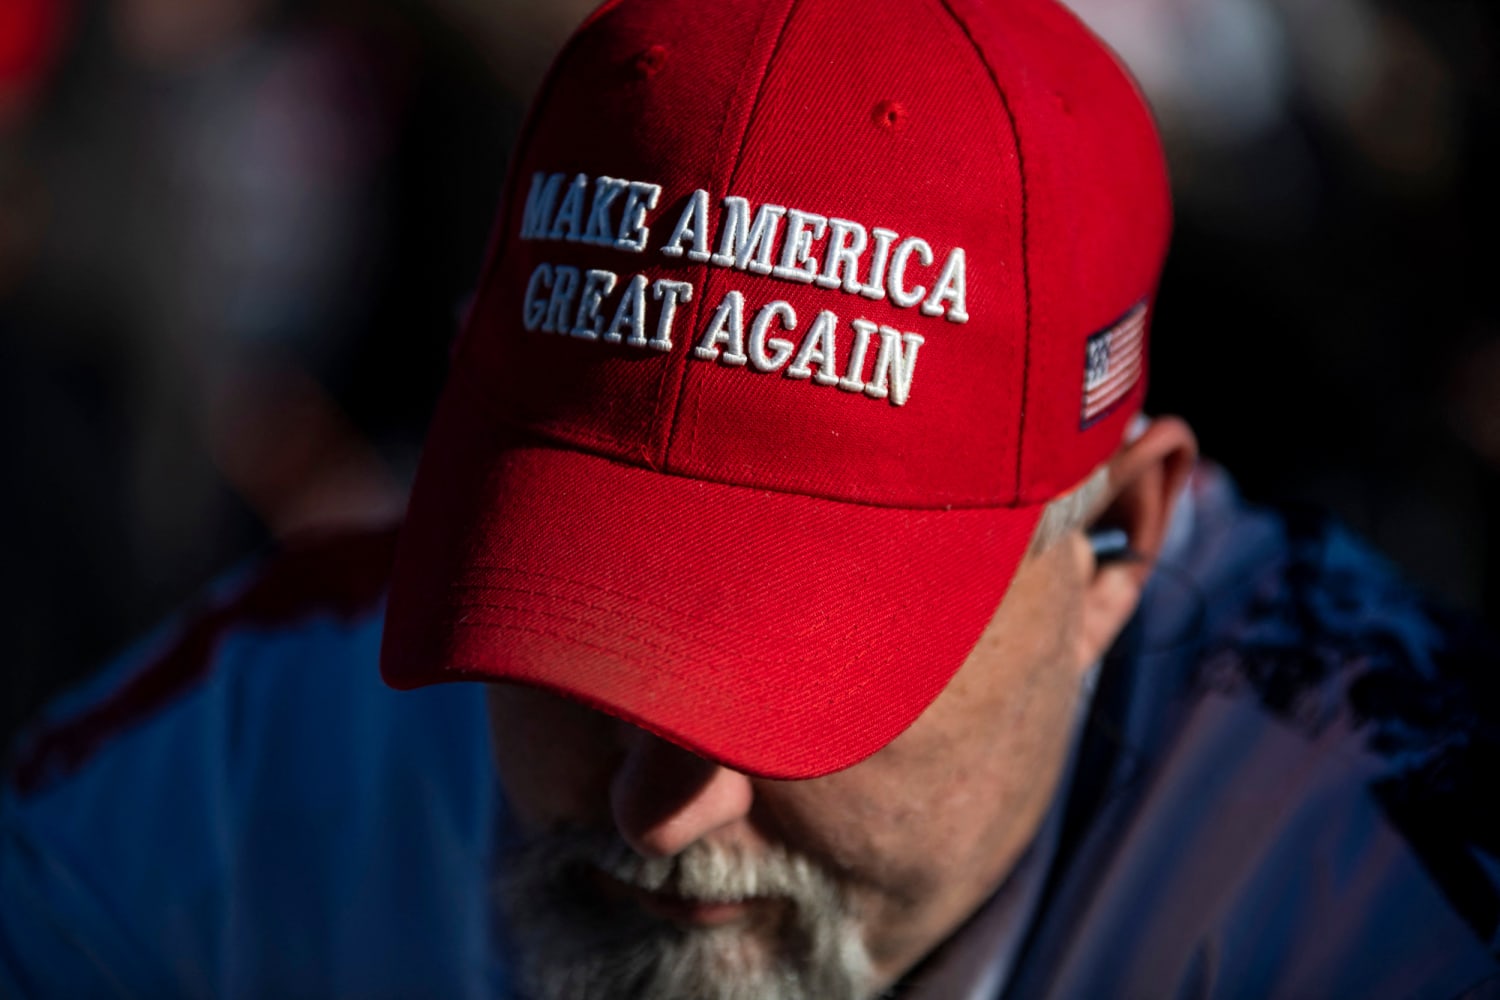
x,y
236,237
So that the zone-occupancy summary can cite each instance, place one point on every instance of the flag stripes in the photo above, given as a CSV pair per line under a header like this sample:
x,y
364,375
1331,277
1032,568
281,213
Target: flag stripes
x,y
1114,359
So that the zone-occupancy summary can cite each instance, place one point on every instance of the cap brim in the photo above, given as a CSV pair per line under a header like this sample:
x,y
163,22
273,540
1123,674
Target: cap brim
x,y
782,635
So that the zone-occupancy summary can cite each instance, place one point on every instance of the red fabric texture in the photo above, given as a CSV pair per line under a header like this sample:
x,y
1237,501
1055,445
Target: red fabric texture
x,y
781,634
777,573
1098,219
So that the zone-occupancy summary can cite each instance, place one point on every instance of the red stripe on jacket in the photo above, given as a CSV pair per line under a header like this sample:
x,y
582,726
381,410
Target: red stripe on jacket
x,y
342,574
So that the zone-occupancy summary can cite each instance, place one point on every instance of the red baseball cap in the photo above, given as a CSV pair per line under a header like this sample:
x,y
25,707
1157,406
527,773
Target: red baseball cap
x,y
796,314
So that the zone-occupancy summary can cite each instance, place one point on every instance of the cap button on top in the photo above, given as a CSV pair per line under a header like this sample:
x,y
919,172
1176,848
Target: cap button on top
x,y
650,60
890,115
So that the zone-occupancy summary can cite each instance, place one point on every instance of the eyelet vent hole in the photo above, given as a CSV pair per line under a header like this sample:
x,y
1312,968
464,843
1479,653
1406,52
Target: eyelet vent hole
x,y
890,115
650,60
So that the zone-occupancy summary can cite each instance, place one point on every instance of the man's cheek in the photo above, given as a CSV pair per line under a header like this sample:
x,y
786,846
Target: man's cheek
x,y
554,766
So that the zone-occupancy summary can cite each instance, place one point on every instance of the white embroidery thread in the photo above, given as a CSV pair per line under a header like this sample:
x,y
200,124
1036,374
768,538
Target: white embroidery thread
x,y
693,225
759,359
669,294
588,324
631,314
564,299
817,347
727,327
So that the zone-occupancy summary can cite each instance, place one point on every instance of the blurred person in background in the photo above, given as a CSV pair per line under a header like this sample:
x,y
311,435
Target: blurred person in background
x,y
239,217
822,657
1331,162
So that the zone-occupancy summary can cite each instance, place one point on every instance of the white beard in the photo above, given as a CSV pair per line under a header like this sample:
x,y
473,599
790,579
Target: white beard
x,y
567,941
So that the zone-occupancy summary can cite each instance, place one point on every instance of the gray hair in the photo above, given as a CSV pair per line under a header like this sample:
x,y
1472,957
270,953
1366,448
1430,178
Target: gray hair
x,y
1071,511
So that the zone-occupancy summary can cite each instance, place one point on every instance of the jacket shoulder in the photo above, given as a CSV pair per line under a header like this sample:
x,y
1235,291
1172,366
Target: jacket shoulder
x,y
241,792
1339,647
338,576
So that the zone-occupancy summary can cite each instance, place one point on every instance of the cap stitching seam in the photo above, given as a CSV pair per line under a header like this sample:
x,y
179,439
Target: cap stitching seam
x,y
941,504
789,767
729,186
566,618
655,663
618,630
857,681
1025,234
855,685
658,609
553,595
578,437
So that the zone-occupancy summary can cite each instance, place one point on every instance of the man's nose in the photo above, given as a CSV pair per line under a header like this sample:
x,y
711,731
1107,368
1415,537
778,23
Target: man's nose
x,y
665,798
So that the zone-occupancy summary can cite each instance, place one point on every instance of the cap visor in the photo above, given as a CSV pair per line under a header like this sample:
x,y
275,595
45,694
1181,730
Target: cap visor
x,y
781,635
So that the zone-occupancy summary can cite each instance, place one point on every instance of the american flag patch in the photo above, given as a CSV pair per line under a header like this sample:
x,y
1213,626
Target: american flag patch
x,y
1112,363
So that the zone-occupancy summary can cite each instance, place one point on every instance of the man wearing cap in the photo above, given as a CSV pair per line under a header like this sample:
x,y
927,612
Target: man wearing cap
x,y
843,626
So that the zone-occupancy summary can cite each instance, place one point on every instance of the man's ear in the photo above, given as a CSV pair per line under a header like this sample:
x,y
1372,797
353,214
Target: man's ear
x,y
1145,477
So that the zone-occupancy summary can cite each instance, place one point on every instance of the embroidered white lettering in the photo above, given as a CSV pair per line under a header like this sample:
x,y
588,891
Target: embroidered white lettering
x,y
795,264
759,359
691,225
569,222
879,257
669,293
541,202
564,287
534,307
894,365
746,245
840,256
633,232
599,229
896,281
566,299
588,323
727,327
854,377
950,289
817,348
630,315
